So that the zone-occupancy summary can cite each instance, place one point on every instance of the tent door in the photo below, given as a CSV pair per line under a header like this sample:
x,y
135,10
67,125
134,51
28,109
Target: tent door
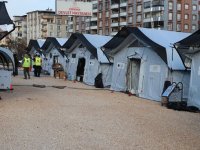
x,y
133,76
80,69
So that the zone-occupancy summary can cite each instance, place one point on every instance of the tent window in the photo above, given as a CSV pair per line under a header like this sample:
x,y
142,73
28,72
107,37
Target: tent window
x,y
73,55
92,57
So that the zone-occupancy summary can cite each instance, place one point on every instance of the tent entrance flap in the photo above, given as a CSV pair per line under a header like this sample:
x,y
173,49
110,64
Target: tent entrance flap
x,y
80,69
133,75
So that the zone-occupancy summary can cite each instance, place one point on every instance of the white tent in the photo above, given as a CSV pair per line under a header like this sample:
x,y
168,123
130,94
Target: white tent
x,y
189,49
53,53
7,66
86,59
144,59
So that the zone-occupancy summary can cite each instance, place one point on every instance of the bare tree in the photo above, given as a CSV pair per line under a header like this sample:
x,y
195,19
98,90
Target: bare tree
x,y
18,46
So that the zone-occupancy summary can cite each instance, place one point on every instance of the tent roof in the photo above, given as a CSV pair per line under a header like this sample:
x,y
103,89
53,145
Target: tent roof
x,y
189,45
33,43
190,41
57,42
5,21
92,42
4,17
159,40
36,44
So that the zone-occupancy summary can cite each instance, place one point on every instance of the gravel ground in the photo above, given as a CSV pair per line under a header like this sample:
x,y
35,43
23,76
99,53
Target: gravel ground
x,y
48,118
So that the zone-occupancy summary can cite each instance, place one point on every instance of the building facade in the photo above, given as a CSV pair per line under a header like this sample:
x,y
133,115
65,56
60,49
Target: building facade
x,y
43,24
20,31
109,16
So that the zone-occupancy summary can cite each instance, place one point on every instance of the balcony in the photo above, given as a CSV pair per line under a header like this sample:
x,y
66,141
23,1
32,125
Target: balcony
x,y
124,4
71,22
123,14
95,2
114,6
70,30
115,24
93,27
155,18
87,28
94,19
153,9
44,29
123,23
94,11
114,15
44,22
87,20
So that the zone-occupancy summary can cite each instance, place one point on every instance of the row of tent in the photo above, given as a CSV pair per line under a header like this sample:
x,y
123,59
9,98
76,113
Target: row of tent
x,y
137,60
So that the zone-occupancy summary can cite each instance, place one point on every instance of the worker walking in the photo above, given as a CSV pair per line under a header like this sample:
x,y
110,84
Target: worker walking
x,y
38,65
26,64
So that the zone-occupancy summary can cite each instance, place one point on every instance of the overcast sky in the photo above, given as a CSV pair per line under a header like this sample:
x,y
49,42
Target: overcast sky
x,y
21,7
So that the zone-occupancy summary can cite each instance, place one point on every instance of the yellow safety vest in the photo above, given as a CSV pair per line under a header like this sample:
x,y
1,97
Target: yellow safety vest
x,y
38,61
27,62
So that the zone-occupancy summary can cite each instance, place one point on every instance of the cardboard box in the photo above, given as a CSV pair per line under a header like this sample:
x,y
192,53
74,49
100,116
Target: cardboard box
x,y
56,74
61,75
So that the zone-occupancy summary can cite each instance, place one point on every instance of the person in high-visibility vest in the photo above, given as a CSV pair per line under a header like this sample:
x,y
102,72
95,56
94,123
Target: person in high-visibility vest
x,y
26,64
38,65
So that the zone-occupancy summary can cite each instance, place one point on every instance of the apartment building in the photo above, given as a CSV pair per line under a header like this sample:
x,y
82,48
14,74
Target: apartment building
x,y
43,24
20,31
109,16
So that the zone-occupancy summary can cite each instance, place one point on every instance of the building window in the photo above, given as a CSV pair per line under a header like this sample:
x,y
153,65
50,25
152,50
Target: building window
x,y
58,21
106,22
83,26
194,17
147,4
130,9
107,14
107,5
100,6
170,5
186,16
186,6
179,7
194,7
77,27
50,33
107,31
58,27
100,15
139,8
100,23
100,32
170,15
170,26
186,26
94,6
193,27
51,27
178,17
139,18
130,19
178,27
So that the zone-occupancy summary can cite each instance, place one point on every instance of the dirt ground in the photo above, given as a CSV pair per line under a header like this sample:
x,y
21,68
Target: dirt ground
x,y
48,118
